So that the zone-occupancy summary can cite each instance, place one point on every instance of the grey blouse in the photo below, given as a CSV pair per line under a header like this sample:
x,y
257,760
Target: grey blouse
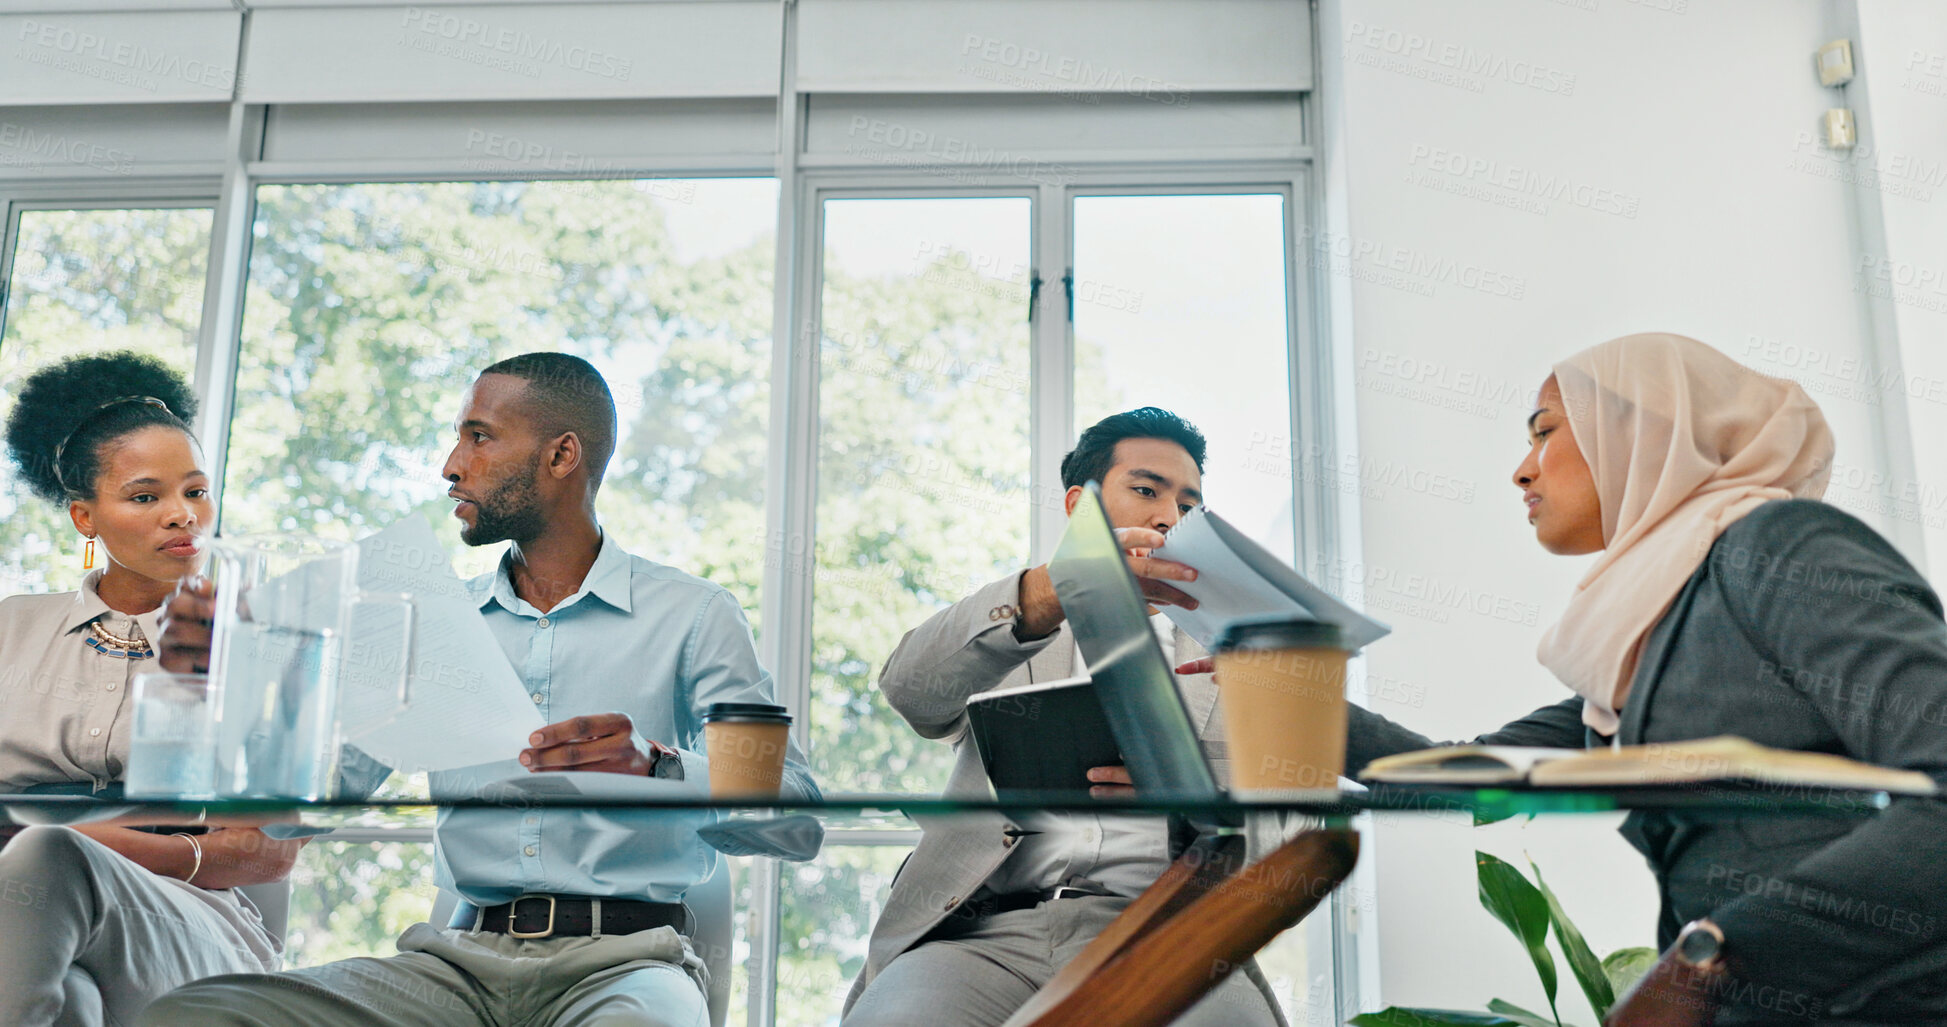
x,y
64,705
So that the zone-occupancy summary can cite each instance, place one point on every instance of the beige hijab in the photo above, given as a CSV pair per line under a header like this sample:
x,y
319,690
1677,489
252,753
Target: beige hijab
x,y
1682,441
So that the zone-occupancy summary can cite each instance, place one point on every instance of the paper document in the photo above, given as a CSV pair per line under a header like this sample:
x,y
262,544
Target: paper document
x,y
467,704
1236,577
797,838
567,785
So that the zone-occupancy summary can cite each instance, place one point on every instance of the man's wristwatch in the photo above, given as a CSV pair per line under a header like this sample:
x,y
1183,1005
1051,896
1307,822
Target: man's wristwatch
x,y
665,762
1700,945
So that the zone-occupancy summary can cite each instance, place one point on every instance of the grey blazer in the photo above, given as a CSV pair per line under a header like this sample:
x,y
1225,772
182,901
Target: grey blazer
x,y
963,650
1802,629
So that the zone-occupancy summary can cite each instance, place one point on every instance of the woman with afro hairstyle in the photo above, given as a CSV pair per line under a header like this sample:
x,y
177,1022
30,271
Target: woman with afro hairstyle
x,y
99,920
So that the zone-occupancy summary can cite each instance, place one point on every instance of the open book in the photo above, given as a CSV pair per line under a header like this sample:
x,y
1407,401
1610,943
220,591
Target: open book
x,y
1725,758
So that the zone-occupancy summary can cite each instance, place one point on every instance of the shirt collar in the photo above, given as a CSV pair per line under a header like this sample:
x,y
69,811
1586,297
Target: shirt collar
x,y
607,580
87,606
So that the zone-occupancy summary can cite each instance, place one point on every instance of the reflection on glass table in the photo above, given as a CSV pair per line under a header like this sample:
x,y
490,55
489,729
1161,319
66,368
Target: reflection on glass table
x,y
374,864
895,812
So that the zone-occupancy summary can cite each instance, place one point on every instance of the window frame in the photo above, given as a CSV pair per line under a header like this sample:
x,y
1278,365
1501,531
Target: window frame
x,y
789,603
18,199
804,183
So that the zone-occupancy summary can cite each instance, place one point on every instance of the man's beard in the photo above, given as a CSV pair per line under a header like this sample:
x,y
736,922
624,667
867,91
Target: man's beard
x,y
511,511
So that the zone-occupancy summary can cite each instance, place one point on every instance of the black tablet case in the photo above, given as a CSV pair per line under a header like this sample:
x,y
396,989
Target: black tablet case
x,y
1040,739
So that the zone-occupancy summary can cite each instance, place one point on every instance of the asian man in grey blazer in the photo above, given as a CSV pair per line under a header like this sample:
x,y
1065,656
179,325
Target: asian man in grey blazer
x,y
989,907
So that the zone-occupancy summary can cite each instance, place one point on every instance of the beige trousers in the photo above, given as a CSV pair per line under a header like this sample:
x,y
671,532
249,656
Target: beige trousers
x,y
457,977
89,937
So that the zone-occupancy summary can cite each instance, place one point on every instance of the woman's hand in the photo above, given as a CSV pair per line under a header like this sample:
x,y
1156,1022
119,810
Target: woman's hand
x,y
186,617
232,856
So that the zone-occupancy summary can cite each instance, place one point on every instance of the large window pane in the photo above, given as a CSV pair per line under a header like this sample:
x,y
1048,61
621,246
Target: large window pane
x,y
85,281
371,308
828,909
923,455
1180,303
352,899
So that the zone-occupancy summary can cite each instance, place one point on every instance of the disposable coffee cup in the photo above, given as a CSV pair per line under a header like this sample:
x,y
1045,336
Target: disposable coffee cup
x,y
745,743
1282,684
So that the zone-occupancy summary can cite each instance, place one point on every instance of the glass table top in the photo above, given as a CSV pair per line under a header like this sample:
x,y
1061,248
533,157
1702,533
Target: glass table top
x,y
795,830
1487,803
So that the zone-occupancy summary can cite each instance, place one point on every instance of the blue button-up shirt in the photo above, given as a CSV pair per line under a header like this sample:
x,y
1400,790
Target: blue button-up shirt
x,y
638,638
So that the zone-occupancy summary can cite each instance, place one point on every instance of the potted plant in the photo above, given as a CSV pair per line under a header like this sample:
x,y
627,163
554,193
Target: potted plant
x,y
1531,911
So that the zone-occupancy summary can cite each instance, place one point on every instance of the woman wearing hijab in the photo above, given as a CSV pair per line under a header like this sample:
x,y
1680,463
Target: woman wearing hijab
x,y
99,920
1728,601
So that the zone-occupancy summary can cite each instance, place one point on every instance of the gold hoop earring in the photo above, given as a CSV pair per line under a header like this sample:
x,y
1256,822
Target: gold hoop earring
x,y
88,556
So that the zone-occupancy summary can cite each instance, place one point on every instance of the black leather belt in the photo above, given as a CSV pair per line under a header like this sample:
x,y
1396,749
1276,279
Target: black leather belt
x,y
554,916
994,905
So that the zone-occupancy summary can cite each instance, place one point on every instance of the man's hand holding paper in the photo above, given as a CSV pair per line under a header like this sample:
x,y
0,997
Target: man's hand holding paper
x,y
1041,611
1238,578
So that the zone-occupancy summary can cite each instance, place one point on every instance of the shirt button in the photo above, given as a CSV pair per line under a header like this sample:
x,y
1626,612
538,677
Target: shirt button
x,y
94,731
542,623
533,820
111,686
537,698
530,850
952,902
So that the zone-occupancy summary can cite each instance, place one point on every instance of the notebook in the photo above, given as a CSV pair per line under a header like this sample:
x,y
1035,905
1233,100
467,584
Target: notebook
x,y
1722,759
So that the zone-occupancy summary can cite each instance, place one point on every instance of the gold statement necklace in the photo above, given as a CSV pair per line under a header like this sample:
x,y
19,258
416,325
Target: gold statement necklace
x,y
116,647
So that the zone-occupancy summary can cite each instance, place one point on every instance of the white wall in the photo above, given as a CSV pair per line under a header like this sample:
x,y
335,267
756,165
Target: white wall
x,y
1696,202
1902,54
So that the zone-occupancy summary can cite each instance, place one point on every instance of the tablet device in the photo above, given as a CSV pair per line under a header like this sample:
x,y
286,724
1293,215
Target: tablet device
x,y
1042,738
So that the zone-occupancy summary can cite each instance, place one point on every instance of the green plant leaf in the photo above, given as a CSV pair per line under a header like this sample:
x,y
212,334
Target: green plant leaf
x,y
1522,909
1582,960
1402,1016
1522,1016
1624,967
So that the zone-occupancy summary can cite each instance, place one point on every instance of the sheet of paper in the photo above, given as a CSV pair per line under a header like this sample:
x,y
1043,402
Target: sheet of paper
x,y
797,838
511,782
467,704
1239,578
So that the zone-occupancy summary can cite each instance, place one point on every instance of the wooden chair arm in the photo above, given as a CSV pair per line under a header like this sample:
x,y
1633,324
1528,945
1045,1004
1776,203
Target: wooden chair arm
x,y
1670,995
1185,935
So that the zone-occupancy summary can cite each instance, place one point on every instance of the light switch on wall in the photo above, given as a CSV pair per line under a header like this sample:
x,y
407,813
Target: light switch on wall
x,y
1840,133
1835,63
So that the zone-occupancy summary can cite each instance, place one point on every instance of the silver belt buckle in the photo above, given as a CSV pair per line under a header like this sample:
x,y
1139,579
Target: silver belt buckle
x,y
1070,892
513,917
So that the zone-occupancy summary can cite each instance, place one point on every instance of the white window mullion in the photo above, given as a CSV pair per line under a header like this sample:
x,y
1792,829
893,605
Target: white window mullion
x,y
790,482
221,336
1052,366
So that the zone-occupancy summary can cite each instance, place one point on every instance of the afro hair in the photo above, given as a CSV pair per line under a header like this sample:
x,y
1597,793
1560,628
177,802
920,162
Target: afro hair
x,y
81,405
